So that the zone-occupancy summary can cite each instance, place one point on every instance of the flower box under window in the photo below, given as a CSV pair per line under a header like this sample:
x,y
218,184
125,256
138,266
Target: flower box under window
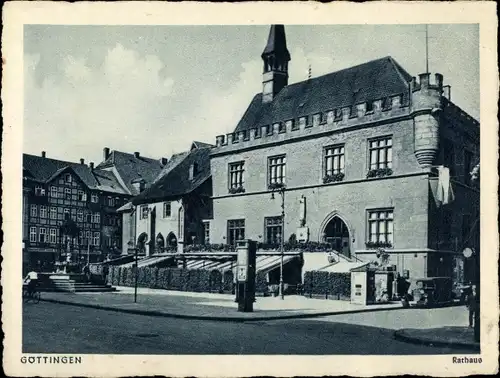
x,y
378,244
236,190
380,172
276,185
335,177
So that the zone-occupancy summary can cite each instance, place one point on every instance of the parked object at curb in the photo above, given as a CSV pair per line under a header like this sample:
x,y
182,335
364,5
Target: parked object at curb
x,y
433,291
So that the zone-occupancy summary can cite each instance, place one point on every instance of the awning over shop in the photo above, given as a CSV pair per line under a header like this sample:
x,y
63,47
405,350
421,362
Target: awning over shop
x,y
264,263
344,267
148,261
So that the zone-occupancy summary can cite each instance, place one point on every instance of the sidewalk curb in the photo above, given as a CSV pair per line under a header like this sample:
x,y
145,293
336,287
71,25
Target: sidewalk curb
x,y
401,336
211,317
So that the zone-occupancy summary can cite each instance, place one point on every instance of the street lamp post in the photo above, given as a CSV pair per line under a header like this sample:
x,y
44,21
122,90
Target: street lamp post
x,y
471,253
136,273
281,191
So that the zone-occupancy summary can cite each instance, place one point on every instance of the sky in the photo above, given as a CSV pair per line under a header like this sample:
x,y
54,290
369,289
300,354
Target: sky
x,y
155,89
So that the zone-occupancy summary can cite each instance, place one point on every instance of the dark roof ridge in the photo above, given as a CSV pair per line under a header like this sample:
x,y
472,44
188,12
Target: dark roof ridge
x,y
399,69
58,160
369,81
132,155
174,161
388,57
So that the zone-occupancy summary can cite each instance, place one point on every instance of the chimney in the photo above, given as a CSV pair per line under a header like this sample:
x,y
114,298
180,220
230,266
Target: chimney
x,y
163,161
137,154
82,161
43,154
91,164
105,153
447,92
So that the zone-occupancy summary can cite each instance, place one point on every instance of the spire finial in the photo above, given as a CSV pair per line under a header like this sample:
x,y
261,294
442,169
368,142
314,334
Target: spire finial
x,y
310,72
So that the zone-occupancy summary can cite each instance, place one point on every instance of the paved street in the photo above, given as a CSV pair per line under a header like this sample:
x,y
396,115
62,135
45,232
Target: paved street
x,y
54,328
415,318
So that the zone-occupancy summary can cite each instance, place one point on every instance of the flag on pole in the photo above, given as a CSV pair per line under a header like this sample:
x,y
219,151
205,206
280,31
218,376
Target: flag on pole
x,y
445,193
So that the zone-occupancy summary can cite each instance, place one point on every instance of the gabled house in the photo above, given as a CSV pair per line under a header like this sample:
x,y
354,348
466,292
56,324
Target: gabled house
x,y
176,208
57,193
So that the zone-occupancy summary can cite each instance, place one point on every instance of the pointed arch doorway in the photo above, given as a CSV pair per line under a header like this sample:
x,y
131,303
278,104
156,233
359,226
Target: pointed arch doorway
x,y
336,233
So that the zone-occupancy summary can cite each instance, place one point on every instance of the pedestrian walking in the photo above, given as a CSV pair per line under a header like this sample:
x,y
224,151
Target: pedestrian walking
x,y
105,272
86,271
472,305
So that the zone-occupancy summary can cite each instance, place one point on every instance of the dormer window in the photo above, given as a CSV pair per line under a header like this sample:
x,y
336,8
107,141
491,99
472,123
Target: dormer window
x,y
193,171
67,178
369,107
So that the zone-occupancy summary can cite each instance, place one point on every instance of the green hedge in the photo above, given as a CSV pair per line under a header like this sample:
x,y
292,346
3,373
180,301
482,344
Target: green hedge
x,y
202,280
195,280
228,282
327,285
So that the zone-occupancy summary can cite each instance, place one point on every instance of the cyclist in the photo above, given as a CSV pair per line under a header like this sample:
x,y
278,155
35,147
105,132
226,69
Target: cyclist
x,y
32,281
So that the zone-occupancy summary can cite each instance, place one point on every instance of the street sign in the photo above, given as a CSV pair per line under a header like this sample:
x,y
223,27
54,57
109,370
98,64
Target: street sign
x,y
242,257
242,273
467,252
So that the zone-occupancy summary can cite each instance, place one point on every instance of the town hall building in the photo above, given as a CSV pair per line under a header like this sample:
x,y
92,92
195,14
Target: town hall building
x,y
366,159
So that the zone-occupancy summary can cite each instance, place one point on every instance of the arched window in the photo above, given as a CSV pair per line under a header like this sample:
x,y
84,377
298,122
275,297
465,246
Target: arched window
x,y
160,242
141,242
171,240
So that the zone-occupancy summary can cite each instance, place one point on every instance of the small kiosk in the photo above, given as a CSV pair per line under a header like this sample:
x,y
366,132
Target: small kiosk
x,y
363,285
371,284
245,274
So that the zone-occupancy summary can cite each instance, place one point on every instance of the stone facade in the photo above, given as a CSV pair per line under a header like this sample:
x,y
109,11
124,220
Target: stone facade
x,y
166,225
426,131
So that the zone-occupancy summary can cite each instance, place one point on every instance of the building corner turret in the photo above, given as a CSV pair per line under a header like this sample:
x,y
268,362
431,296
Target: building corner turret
x,y
426,111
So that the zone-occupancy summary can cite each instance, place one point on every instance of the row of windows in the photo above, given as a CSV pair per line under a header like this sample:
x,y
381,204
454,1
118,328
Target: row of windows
x,y
74,194
273,230
380,228
380,152
50,235
167,211
60,213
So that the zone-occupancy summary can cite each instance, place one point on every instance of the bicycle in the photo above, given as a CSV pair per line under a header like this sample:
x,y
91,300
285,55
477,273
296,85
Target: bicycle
x,y
34,296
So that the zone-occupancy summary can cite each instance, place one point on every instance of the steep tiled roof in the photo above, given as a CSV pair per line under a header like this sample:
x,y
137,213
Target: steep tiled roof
x,y
370,81
172,163
43,169
173,182
106,181
197,144
129,167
